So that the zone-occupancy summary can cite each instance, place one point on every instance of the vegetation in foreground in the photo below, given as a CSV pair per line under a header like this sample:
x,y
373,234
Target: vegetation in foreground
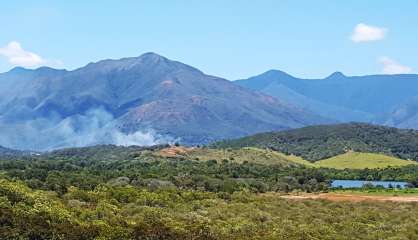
x,y
108,192
127,212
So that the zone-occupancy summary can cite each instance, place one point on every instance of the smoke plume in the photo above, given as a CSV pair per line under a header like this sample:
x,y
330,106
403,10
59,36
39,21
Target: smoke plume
x,y
94,127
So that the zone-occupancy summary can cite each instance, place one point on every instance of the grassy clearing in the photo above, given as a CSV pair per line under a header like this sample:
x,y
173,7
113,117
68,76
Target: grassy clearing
x,y
356,160
248,154
350,160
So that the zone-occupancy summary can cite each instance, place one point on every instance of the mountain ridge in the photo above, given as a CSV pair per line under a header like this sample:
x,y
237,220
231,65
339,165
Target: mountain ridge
x,y
149,93
369,98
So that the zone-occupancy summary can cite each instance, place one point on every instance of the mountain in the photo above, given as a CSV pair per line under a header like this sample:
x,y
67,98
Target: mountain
x,y
373,98
140,100
324,141
404,115
4,152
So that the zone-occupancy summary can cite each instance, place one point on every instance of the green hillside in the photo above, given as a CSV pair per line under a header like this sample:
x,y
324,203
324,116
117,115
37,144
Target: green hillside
x,y
163,192
356,160
349,160
321,142
249,154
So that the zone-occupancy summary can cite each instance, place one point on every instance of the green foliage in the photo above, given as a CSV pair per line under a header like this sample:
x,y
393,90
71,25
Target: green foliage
x,y
108,192
242,155
135,213
87,168
319,142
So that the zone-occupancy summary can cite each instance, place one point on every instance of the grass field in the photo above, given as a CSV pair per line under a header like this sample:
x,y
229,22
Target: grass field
x,y
351,160
252,155
356,160
248,154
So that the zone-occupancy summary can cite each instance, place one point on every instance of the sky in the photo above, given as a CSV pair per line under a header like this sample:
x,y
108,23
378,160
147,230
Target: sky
x,y
231,39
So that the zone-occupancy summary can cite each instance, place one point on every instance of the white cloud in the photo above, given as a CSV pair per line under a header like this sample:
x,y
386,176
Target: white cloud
x,y
16,55
391,66
367,33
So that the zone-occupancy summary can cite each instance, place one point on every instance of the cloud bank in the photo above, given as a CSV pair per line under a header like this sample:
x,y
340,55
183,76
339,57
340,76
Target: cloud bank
x,y
16,55
94,127
367,33
391,66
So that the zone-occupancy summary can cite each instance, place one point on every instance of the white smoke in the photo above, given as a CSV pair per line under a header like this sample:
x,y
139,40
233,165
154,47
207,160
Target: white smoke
x,y
94,127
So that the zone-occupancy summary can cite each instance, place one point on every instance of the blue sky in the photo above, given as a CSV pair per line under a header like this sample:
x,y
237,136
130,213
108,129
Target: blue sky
x,y
231,39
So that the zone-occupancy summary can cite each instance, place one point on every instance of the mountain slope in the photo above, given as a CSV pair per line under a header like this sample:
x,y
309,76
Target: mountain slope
x,y
151,94
404,115
339,113
360,98
4,152
319,142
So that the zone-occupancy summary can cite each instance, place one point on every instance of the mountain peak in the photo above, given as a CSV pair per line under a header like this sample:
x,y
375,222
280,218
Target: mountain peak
x,y
18,70
48,70
150,58
127,62
277,73
336,75
40,70
151,55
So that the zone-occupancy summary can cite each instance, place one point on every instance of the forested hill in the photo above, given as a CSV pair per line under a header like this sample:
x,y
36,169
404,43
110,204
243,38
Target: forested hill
x,y
324,141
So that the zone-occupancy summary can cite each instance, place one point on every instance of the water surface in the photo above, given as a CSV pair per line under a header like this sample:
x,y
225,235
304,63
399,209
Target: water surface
x,y
360,183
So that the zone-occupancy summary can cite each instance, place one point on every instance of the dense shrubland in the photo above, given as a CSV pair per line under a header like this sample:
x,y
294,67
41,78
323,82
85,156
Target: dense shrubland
x,y
127,212
86,168
89,167
108,192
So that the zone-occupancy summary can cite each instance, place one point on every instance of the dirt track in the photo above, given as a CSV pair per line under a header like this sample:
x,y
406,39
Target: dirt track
x,y
352,197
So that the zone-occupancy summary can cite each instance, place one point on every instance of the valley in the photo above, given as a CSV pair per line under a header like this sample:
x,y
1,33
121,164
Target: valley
x,y
274,185
177,192
208,120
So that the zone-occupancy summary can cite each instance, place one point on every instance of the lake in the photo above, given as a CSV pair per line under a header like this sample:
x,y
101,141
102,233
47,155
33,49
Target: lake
x,y
360,183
